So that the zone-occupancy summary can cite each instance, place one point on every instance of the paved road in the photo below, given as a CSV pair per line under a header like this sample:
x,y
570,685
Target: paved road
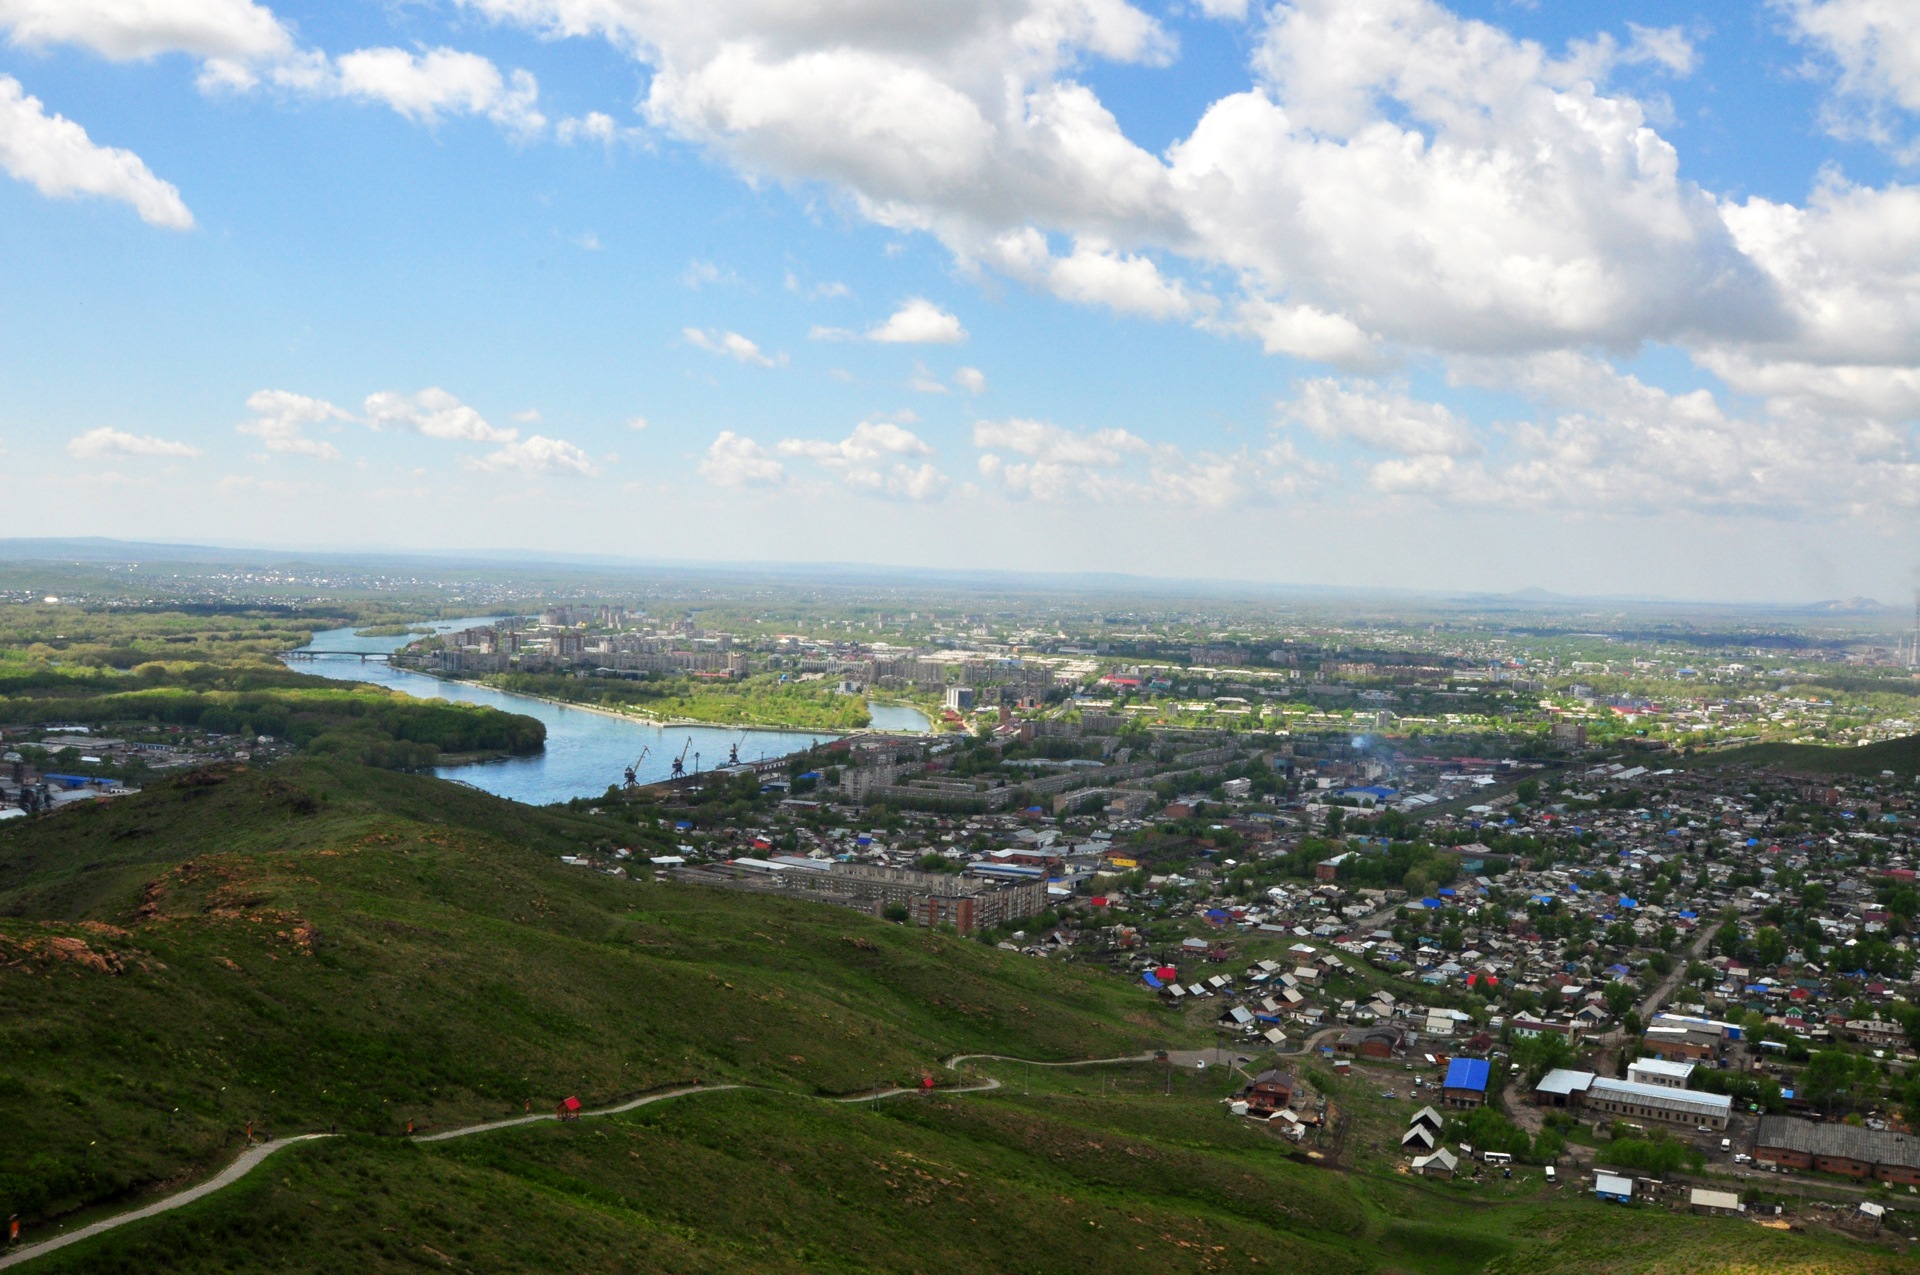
x,y
251,1158
1664,988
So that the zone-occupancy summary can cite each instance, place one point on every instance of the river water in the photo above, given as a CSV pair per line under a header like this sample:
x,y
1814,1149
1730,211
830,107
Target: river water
x,y
585,750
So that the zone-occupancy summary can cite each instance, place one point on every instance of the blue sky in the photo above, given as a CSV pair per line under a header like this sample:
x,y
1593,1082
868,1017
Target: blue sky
x,y
1377,292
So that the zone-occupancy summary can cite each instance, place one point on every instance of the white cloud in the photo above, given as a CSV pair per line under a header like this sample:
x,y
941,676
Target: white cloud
x,y
877,458
829,291
1667,47
280,420
1873,48
636,423
738,463
1846,267
971,379
425,86
229,34
1094,274
55,156
1055,464
434,413
919,322
594,126
1607,442
1303,332
106,443
1379,419
730,344
699,274
537,454
1395,176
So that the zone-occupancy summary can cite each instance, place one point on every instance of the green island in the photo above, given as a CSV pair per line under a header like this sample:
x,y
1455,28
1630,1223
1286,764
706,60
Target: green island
x,y
755,701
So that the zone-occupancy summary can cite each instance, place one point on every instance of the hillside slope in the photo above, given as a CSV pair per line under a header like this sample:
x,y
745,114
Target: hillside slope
x,y
1901,756
322,945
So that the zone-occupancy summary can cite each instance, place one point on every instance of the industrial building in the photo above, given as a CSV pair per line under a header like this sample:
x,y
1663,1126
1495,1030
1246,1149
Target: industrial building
x,y
1880,1154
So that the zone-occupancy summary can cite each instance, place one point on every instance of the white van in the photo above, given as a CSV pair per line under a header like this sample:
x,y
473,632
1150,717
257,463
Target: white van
x,y
1726,1144
1551,1176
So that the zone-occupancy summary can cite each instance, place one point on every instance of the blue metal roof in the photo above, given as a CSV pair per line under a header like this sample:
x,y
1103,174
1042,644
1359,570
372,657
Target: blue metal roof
x,y
1467,1073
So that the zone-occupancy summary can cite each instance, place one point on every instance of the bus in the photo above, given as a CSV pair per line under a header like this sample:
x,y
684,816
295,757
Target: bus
x,y
1497,1157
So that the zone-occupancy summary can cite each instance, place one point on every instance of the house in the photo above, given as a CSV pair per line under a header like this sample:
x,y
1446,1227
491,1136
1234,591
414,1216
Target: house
x,y
1419,1137
1270,1091
1436,1164
1466,1082
1429,1117
1369,1042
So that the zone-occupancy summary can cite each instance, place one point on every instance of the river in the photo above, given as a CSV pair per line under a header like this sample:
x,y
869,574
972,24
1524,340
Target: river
x,y
586,750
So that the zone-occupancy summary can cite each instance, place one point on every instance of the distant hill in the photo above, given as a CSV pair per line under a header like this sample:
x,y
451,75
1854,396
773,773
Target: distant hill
x,y
1902,756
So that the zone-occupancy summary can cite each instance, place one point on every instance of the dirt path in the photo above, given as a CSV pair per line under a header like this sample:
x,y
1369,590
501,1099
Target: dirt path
x,y
252,1157
245,1164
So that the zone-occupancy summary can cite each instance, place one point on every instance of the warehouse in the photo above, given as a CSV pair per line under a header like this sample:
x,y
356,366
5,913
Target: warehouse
x,y
1879,1154
1632,1100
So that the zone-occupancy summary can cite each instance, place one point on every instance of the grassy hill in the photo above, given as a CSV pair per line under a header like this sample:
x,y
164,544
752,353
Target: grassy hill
x,y
323,945
1073,1176
1902,756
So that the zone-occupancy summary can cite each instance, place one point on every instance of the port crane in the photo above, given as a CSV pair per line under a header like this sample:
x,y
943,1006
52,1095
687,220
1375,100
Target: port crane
x,y
633,771
680,762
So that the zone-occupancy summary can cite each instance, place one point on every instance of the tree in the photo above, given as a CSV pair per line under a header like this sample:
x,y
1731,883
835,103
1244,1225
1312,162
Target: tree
x,y
1619,996
1540,1054
1769,946
1830,1074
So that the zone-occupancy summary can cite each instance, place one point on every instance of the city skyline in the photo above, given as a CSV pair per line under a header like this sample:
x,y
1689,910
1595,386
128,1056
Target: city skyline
x,y
1384,294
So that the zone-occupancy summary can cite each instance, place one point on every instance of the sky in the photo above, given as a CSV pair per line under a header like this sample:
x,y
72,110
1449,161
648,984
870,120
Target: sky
x,y
1607,299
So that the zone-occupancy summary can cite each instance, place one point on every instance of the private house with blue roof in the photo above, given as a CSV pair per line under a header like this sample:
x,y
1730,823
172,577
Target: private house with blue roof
x,y
1466,1082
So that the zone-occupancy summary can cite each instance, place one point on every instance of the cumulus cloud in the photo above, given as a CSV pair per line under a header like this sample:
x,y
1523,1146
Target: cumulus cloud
x,y
971,379
1379,419
280,420
1872,48
919,322
1609,443
877,458
229,36
537,454
1049,463
1394,175
738,463
55,156
425,86
107,443
730,344
434,413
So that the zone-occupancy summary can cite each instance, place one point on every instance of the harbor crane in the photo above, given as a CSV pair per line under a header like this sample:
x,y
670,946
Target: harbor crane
x,y
680,762
633,771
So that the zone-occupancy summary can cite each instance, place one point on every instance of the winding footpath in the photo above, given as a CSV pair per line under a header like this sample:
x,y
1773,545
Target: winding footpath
x,y
254,1156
